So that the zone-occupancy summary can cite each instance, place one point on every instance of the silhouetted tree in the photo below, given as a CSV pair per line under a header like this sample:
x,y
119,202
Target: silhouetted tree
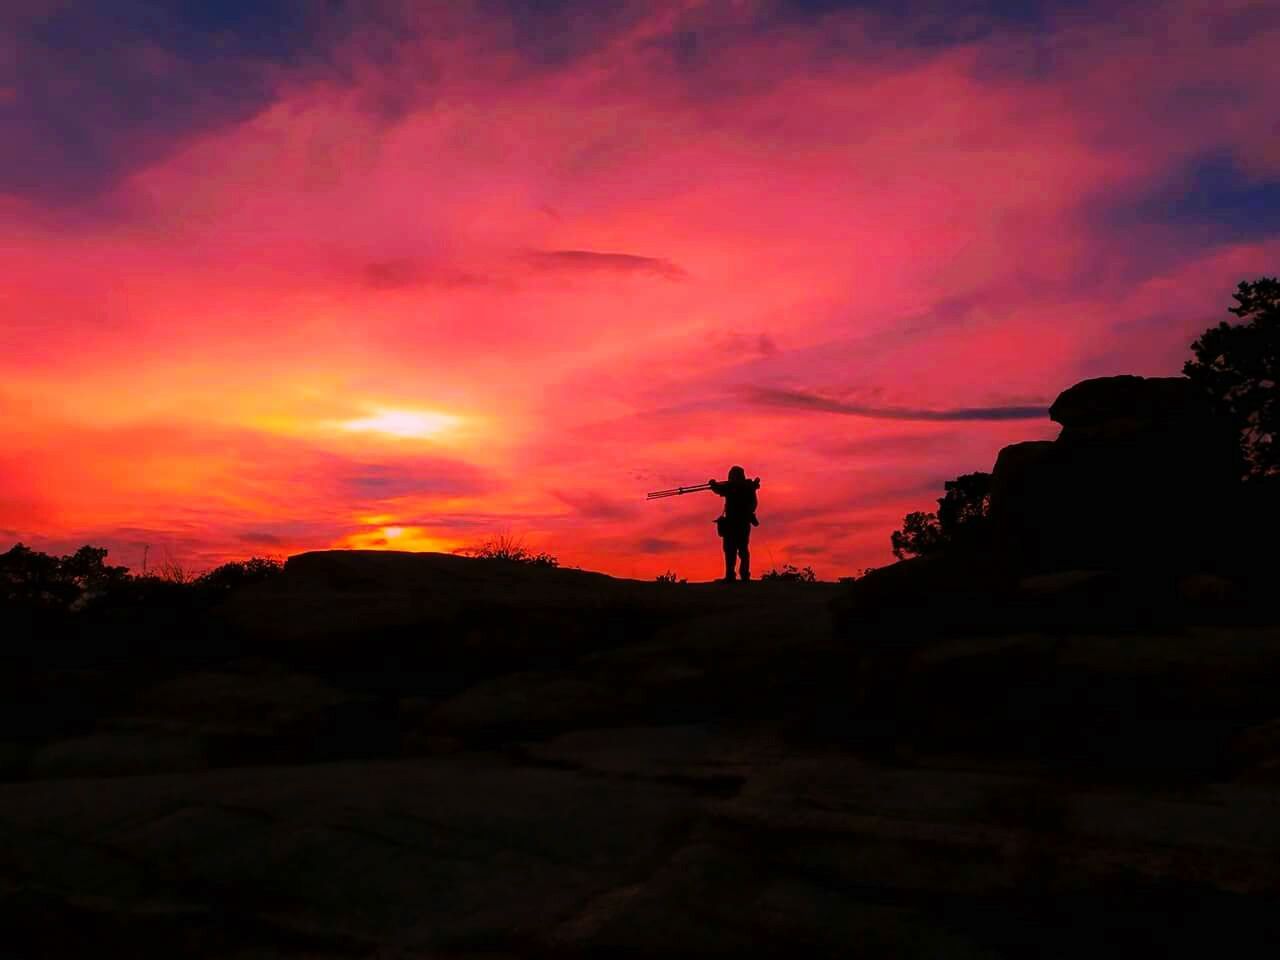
x,y
961,519
29,576
920,535
88,569
964,508
1239,367
238,573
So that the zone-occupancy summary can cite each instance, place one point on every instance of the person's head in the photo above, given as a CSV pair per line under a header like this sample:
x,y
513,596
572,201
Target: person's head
x,y
737,473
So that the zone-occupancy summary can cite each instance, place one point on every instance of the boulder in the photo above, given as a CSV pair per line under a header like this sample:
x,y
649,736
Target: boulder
x,y
1142,476
118,754
1113,406
1207,590
1257,752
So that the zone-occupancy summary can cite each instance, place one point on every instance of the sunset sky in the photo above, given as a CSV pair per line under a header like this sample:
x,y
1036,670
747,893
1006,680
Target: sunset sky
x,y
287,275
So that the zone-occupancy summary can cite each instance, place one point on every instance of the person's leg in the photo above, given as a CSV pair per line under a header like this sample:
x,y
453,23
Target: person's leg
x,y
729,549
744,555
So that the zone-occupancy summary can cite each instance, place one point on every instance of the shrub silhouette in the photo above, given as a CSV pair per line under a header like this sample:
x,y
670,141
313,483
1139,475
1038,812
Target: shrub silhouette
x,y
1239,367
238,573
506,547
962,519
669,577
792,573
862,572
171,571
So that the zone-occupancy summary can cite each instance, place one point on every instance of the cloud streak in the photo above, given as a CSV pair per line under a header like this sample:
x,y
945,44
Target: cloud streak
x,y
591,261
804,400
407,273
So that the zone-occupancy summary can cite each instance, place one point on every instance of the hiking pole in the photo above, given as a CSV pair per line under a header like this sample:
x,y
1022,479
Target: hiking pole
x,y
676,491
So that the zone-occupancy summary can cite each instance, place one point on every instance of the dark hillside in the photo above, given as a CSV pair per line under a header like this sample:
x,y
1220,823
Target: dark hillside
x,y
378,754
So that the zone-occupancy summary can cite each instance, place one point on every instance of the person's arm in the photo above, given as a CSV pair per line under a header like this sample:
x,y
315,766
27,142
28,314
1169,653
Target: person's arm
x,y
718,486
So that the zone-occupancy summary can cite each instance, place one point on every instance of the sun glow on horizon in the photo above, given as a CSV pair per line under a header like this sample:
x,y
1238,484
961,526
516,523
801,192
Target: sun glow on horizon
x,y
407,424
413,539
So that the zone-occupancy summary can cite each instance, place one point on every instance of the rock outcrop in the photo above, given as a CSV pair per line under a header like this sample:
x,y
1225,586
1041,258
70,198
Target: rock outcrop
x,y
1141,477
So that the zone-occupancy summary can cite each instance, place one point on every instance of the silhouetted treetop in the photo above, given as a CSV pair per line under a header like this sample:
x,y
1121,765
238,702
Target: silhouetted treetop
x,y
238,573
1239,367
32,578
965,505
920,535
961,519
29,576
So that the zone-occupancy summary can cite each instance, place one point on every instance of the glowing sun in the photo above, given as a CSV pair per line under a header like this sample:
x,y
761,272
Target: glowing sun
x,y
417,424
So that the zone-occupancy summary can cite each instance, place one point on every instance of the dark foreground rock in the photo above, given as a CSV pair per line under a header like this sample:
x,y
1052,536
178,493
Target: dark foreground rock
x,y
420,756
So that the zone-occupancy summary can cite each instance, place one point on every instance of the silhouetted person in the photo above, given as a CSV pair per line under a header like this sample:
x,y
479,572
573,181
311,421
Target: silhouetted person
x,y
739,517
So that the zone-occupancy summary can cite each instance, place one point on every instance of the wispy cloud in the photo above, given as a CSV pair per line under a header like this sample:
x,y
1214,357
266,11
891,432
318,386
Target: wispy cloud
x,y
804,400
409,477
260,537
592,261
406,273
595,505
657,545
